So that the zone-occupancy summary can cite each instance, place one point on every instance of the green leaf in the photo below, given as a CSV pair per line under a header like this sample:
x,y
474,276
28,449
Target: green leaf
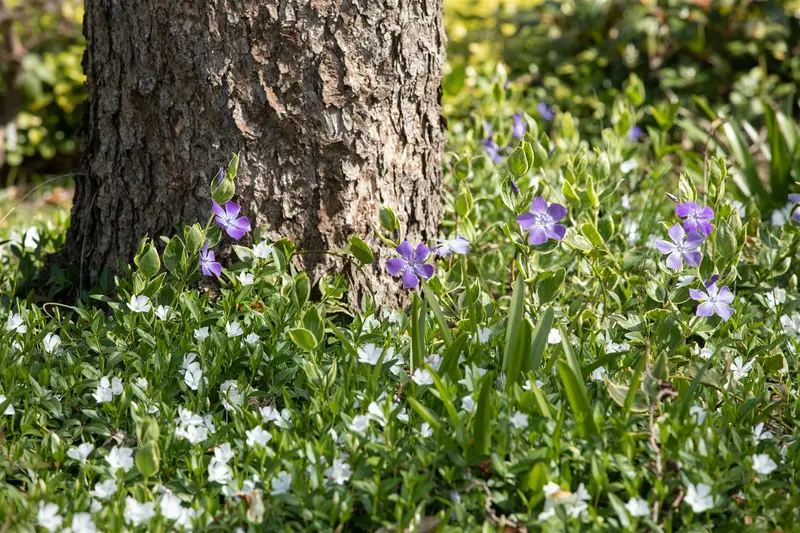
x,y
149,263
780,163
540,335
726,241
195,239
361,250
518,163
303,338
444,330
147,460
425,413
578,400
444,396
520,354
590,232
418,345
173,254
302,289
449,366
639,402
549,285
482,428
515,314
464,201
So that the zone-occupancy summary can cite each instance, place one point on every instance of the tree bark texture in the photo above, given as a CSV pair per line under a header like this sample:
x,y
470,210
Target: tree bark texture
x,y
334,107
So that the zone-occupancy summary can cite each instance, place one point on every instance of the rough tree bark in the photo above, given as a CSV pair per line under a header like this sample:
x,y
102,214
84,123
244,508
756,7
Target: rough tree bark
x,y
333,105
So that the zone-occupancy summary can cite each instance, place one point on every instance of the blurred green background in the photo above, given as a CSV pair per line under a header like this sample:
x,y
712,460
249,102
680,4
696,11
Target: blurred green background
x,y
576,56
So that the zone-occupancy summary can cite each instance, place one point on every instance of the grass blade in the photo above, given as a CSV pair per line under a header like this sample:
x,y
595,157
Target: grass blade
x,y
447,337
578,400
515,313
482,427
540,335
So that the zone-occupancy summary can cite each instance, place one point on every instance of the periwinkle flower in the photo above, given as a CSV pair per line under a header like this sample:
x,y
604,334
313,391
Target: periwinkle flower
x,y
795,198
520,126
635,133
208,263
411,264
228,219
545,111
492,150
682,248
697,218
542,221
459,245
514,187
714,301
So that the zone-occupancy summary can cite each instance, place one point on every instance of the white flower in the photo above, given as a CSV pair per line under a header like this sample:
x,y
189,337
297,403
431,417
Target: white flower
x,y
371,323
219,472
763,464
193,375
233,329
137,513
230,394
103,392
171,506
339,472
422,377
201,334
741,370
141,383
281,483
258,436
598,373
775,297
120,458
16,324
613,347
425,430
699,497
81,523
554,337
706,352
574,503
262,250
759,434
468,404
781,216
81,453
192,427
271,414
740,208
483,335
116,386
375,412
637,507
519,420
251,339
791,325
698,412
48,516
529,385
9,410
95,506
359,424
626,166
369,354
245,278
471,376
139,304
51,342
105,490
162,312
397,363
434,361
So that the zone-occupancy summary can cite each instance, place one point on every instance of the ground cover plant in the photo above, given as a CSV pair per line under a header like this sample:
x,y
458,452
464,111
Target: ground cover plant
x,y
603,337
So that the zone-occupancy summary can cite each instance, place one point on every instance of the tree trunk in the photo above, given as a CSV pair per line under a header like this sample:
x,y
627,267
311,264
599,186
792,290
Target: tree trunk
x,y
334,107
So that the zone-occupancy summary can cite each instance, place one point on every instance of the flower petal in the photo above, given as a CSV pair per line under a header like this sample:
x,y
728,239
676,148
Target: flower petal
x,y
694,240
707,213
405,250
424,271
665,247
537,235
724,311
698,295
410,280
232,208
677,234
692,257
557,211
526,220
460,245
539,206
685,209
725,295
560,230
705,309
674,261
217,209
421,253
395,266
795,198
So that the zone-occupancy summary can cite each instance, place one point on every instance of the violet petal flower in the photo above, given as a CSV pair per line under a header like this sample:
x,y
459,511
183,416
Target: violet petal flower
x,y
410,264
541,221
229,219
492,150
682,248
696,217
796,214
713,301
520,126
514,187
459,245
635,133
545,111
208,263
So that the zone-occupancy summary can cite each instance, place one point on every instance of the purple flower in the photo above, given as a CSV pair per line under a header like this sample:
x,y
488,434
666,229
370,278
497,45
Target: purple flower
x,y
713,301
682,248
635,133
520,126
795,198
544,111
220,176
492,149
229,219
208,263
410,264
459,245
514,187
696,217
542,220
